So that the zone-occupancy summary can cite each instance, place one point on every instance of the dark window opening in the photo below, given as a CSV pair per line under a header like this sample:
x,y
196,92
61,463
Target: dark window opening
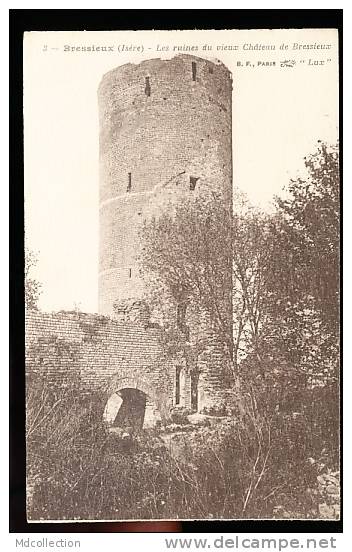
x,y
129,185
193,182
181,315
178,385
147,86
211,70
194,70
181,319
194,392
130,272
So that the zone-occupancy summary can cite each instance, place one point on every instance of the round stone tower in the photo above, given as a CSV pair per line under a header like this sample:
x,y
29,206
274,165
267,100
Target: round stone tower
x,y
165,129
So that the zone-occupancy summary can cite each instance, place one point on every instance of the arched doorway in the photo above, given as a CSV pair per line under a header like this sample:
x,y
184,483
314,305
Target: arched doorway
x,y
126,409
130,404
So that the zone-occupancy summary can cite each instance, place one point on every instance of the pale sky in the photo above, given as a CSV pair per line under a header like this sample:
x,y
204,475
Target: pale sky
x,y
279,114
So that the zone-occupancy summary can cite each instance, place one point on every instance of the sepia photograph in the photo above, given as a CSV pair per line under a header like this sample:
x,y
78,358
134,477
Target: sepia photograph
x,y
182,275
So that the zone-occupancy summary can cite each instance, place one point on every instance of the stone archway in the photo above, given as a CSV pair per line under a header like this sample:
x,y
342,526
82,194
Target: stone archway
x,y
131,412
137,405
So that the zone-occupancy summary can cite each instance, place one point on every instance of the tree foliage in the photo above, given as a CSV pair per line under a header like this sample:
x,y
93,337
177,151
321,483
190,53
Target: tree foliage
x,y
305,268
31,286
186,258
280,271
311,230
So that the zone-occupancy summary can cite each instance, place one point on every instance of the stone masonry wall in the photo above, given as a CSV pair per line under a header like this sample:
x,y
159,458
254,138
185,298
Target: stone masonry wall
x,y
106,355
109,355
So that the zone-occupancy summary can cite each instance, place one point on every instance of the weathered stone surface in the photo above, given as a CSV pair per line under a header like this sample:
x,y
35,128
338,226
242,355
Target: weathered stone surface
x,y
107,355
151,146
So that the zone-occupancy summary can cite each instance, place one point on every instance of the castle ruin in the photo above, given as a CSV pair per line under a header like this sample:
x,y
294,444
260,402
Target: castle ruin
x,y
165,136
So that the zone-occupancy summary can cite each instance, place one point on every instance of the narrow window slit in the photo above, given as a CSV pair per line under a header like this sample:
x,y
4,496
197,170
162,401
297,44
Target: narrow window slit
x,y
147,89
194,392
129,185
193,182
194,70
130,272
178,385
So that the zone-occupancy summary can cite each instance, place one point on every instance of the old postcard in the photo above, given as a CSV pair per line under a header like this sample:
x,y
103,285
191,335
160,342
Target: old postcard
x,y
182,275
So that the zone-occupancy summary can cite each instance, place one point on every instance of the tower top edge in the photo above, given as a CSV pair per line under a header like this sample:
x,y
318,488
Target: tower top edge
x,y
157,63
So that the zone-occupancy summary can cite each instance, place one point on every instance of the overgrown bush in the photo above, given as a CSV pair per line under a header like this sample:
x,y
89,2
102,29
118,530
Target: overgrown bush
x,y
179,415
264,463
216,410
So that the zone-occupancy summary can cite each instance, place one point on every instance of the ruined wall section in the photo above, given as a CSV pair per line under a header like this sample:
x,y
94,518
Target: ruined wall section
x,y
104,353
161,123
